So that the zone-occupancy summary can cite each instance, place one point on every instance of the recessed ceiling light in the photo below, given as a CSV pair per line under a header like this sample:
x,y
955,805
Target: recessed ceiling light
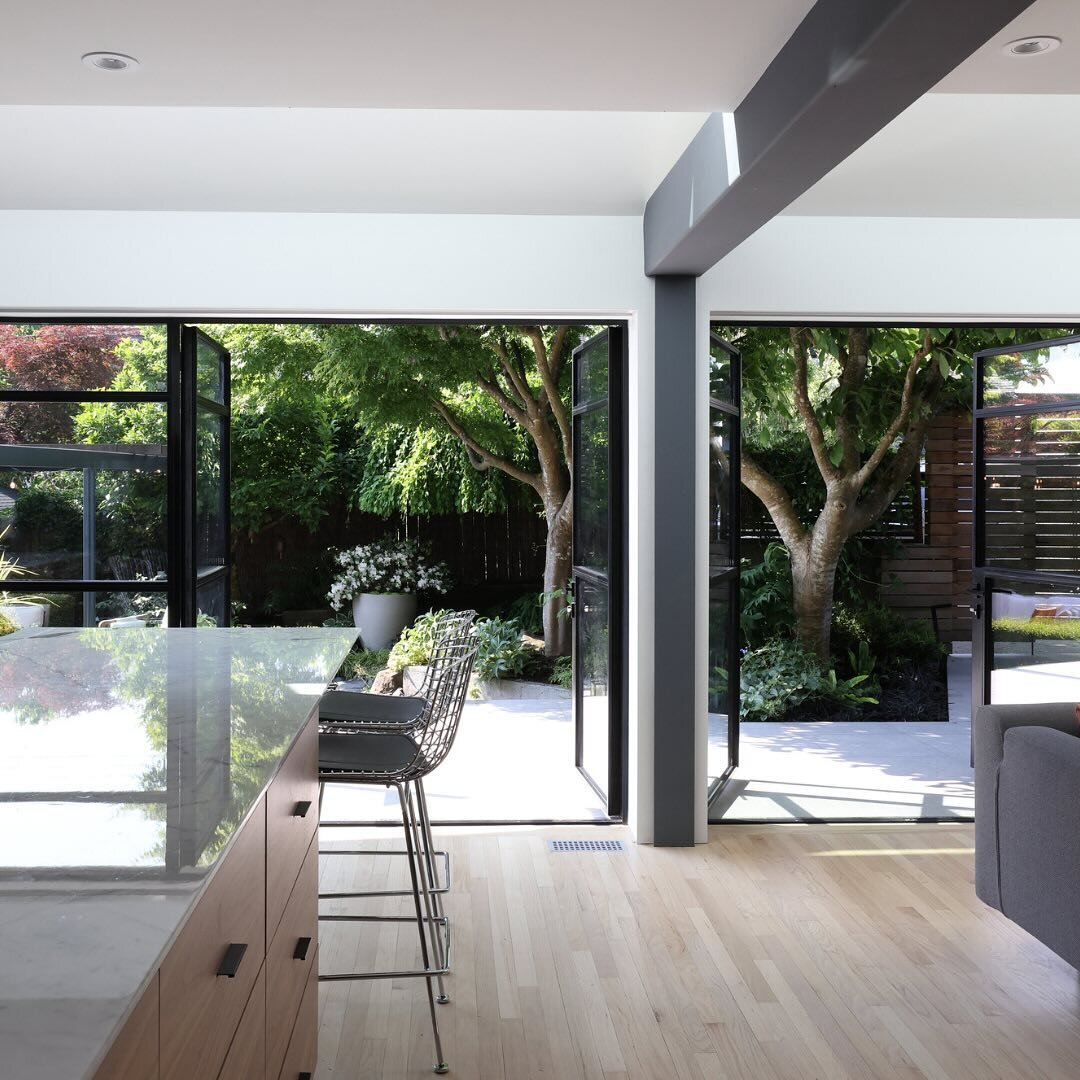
x,y
1031,46
110,61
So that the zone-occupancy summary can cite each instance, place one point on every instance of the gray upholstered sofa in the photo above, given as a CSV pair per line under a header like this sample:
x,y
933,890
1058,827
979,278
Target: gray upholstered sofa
x,y
1027,826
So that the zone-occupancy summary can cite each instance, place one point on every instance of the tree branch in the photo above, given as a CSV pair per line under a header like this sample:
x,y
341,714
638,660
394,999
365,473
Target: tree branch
x,y
852,376
492,388
517,377
891,479
799,336
907,400
480,457
551,387
558,352
776,501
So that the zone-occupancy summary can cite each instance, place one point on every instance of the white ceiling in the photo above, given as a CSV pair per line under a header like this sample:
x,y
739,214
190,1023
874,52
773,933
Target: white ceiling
x,y
682,55
962,155
990,71
345,160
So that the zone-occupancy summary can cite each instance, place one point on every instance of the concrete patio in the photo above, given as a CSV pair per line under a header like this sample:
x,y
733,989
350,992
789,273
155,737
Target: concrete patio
x,y
844,771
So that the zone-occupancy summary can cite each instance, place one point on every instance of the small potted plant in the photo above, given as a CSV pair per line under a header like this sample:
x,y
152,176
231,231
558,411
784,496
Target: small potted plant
x,y
380,581
19,608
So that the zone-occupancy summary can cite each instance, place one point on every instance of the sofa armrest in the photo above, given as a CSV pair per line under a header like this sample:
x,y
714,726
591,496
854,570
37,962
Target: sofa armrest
x,y
991,723
1038,837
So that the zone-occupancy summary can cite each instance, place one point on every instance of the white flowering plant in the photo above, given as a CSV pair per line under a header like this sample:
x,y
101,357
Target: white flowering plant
x,y
386,566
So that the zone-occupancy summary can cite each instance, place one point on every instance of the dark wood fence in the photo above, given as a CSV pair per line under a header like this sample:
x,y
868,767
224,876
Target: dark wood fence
x,y
491,556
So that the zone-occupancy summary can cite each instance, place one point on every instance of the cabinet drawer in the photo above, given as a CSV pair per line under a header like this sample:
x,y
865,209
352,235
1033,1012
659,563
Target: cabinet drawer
x,y
200,1008
134,1052
290,824
290,959
303,1053
247,1055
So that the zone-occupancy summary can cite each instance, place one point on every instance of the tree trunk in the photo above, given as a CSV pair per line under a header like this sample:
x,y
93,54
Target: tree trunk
x,y
813,578
557,564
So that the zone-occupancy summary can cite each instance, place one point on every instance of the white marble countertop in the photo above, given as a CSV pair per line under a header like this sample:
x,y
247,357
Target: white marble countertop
x,y
128,758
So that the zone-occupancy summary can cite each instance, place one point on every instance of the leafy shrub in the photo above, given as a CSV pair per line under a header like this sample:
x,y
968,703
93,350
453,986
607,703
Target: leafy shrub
x,y
415,644
766,596
528,612
563,672
501,654
896,642
49,520
7,625
781,675
363,663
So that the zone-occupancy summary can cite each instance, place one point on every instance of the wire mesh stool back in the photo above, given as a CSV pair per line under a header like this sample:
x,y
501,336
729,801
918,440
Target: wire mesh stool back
x,y
451,630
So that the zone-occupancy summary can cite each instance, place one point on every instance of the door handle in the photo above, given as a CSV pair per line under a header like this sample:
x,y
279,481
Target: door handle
x,y
230,962
301,950
301,808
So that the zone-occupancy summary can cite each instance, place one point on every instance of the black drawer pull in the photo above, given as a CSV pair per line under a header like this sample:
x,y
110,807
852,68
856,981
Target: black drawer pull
x,y
230,963
301,808
301,950
303,1076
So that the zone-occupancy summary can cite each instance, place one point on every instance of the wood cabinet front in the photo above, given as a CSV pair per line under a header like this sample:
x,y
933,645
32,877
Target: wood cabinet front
x,y
208,974
303,1052
292,817
134,1054
246,1059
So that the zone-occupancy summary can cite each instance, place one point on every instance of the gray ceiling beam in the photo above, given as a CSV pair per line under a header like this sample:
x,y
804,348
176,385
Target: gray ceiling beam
x,y
850,67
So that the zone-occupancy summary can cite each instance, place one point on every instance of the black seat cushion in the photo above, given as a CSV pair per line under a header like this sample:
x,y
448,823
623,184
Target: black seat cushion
x,y
348,705
367,752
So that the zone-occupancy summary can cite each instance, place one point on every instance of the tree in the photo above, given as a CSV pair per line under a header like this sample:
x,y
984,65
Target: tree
x,y
862,398
53,357
501,391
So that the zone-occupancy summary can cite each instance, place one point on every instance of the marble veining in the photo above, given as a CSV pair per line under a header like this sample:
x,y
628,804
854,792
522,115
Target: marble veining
x,y
128,758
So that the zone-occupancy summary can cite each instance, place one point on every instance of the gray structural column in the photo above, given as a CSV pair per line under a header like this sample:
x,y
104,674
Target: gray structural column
x,y
675,587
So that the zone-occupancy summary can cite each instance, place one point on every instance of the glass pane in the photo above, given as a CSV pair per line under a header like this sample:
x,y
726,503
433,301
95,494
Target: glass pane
x,y
109,610
1036,642
210,604
49,356
591,372
719,674
88,502
720,524
211,547
720,382
1031,488
591,658
1033,376
591,478
209,369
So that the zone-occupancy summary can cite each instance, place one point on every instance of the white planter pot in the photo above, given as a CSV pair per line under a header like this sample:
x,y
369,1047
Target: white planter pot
x,y
25,615
380,617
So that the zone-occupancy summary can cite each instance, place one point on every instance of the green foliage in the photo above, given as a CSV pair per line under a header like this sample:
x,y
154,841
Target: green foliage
x,y
780,676
528,612
766,596
894,641
7,625
501,654
364,663
415,644
48,519
1037,629
562,673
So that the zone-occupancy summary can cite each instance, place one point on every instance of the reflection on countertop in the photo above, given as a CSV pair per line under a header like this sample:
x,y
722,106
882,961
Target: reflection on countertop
x,y
128,759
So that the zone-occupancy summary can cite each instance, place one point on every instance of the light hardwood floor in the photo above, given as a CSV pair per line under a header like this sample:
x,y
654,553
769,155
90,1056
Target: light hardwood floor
x,y
775,952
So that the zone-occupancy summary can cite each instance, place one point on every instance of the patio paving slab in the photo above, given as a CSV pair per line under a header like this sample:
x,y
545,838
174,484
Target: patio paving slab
x,y
513,760
840,771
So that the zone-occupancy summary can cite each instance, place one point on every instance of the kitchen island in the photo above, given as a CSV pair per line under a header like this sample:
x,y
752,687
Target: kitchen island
x,y
158,850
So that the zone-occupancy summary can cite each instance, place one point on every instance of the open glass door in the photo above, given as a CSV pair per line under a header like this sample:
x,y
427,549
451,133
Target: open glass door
x,y
724,443
205,448
1026,572
600,750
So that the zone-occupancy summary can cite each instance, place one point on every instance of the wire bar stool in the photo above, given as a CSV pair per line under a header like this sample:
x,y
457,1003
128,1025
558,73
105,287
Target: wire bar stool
x,y
353,755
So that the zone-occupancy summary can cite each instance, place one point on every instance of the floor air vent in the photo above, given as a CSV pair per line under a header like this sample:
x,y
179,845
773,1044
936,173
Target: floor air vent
x,y
585,845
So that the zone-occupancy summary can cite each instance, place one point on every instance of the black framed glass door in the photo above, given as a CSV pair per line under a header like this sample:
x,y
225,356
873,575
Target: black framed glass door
x,y
204,445
1026,550
724,530
600,743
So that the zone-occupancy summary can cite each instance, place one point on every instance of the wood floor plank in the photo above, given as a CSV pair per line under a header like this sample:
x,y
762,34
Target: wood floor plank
x,y
855,952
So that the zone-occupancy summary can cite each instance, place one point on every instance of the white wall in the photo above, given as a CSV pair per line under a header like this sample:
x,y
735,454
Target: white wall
x,y
122,262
